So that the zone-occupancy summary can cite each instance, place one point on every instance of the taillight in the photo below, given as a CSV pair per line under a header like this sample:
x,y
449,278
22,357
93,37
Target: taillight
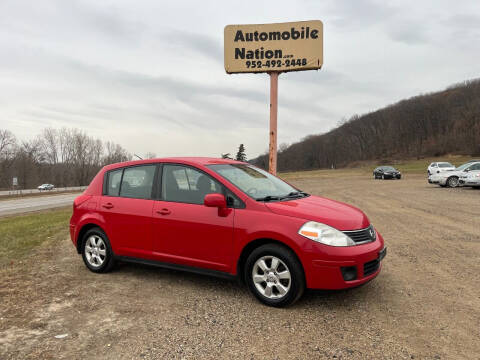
x,y
79,200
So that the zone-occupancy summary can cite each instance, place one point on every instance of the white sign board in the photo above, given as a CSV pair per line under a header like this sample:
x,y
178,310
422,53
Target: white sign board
x,y
15,181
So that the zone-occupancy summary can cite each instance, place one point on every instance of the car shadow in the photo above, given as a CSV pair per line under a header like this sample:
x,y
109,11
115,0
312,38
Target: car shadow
x,y
233,289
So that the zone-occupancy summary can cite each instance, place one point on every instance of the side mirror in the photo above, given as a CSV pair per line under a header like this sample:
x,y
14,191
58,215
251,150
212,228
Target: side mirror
x,y
466,170
215,200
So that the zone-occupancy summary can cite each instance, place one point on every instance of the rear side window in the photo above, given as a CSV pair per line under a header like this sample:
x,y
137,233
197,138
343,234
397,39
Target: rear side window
x,y
113,182
137,182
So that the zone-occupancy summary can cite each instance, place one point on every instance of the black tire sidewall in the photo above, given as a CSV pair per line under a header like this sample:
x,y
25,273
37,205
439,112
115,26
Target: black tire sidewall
x,y
109,261
297,286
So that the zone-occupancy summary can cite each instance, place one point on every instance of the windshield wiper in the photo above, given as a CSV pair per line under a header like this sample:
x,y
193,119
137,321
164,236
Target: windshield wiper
x,y
268,198
295,194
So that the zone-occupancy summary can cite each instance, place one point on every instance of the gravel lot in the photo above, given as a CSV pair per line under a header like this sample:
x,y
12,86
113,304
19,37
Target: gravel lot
x,y
424,305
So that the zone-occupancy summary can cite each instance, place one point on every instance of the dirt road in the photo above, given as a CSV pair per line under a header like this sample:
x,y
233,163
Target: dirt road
x,y
424,305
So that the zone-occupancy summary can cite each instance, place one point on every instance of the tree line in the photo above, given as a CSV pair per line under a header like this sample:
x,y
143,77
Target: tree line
x,y
63,157
434,124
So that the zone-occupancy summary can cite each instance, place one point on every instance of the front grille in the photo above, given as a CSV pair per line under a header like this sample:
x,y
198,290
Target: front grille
x,y
362,236
370,267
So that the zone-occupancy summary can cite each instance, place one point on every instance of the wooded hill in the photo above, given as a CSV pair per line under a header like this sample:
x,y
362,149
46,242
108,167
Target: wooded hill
x,y
427,125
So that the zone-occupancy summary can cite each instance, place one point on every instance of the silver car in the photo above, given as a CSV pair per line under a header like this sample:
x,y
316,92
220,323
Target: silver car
x,y
46,187
452,178
472,177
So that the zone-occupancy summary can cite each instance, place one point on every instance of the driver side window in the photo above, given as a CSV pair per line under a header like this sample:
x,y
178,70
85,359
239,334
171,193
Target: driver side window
x,y
187,185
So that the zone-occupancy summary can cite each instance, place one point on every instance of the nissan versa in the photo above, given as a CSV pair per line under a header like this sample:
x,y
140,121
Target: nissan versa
x,y
224,218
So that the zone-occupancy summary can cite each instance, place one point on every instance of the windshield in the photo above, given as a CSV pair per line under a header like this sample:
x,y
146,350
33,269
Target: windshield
x,y
388,168
445,164
463,167
256,182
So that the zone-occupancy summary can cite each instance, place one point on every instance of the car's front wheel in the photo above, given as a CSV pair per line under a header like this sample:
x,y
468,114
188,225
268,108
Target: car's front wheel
x,y
452,181
97,253
274,275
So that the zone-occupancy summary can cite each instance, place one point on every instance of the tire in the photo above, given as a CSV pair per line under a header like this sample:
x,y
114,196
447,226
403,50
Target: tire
x,y
452,182
97,253
284,284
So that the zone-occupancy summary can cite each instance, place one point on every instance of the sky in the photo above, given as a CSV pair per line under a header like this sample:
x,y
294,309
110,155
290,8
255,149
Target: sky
x,y
149,75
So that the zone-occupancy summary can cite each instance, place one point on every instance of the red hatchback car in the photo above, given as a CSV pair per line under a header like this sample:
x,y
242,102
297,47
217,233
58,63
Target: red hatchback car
x,y
224,218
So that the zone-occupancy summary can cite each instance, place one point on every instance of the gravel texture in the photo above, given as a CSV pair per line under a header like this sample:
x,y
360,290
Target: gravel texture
x,y
424,305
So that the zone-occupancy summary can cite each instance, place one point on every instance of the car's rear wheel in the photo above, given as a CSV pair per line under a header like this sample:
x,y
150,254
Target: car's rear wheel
x,y
97,253
452,181
274,275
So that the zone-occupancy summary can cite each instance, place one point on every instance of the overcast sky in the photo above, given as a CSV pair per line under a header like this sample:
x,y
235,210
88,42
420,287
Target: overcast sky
x,y
150,76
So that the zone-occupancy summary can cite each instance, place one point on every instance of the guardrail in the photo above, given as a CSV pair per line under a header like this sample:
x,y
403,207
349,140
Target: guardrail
x,y
24,192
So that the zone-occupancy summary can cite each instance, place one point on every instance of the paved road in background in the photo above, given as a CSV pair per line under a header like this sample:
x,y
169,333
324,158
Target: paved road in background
x,y
36,191
33,203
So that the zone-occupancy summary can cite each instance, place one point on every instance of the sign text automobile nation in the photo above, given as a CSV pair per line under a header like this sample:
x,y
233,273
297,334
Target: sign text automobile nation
x,y
274,47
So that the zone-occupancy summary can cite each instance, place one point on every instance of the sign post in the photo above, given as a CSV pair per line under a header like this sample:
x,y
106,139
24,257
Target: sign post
x,y
272,152
273,49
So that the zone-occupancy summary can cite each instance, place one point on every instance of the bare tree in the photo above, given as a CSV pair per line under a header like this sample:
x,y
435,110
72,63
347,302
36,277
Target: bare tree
x,y
150,155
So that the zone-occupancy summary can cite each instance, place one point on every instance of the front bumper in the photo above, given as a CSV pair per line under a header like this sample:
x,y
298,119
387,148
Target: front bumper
x,y
346,267
392,176
469,182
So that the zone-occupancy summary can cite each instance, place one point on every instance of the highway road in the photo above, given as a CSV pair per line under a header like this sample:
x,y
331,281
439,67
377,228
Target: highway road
x,y
36,191
34,203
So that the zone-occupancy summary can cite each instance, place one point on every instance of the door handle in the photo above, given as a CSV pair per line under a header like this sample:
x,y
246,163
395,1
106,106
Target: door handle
x,y
108,205
163,212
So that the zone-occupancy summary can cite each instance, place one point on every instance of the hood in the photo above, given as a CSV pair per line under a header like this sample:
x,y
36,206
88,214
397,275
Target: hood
x,y
333,213
449,173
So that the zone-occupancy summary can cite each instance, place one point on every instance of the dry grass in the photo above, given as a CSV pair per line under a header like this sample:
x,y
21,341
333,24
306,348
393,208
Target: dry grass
x,y
20,234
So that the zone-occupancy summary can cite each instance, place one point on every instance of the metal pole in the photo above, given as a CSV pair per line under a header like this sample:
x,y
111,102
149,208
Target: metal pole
x,y
272,156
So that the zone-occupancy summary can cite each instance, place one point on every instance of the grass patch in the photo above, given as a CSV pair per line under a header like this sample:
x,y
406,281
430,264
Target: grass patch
x,y
20,234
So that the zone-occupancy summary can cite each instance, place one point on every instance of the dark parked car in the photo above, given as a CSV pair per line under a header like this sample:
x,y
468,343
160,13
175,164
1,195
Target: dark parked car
x,y
386,172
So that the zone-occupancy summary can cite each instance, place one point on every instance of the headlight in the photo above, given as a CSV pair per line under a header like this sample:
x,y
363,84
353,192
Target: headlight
x,y
325,234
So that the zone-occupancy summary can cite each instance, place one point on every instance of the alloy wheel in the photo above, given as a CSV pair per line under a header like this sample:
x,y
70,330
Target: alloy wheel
x,y
95,251
453,182
271,277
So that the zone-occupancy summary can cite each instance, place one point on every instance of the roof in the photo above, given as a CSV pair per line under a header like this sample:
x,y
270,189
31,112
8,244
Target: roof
x,y
184,160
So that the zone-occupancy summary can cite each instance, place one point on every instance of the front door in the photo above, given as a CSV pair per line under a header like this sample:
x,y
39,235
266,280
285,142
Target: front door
x,y
184,230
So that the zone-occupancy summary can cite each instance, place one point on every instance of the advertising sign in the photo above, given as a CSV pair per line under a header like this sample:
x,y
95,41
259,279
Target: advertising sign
x,y
281,47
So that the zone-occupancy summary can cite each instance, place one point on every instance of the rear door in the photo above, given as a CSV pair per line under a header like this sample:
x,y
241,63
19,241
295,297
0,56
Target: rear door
x,y
184,230
126,206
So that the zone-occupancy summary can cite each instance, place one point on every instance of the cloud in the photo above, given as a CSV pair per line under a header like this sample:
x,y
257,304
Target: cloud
x,y
186,42
150,75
